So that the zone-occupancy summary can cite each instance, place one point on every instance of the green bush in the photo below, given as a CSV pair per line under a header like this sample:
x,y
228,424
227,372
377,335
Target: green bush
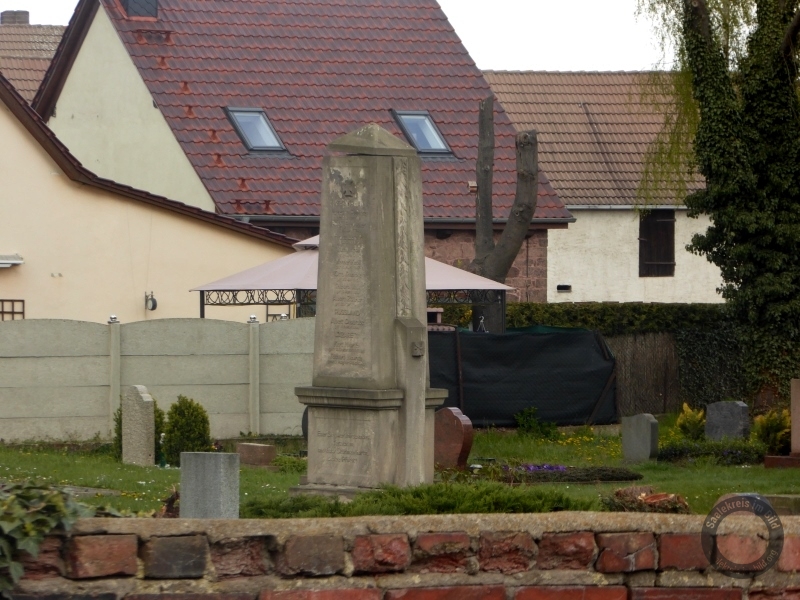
x,y
290,464
116,443
528,423
187,430
724,452
774,430
691,423
530,473
438,498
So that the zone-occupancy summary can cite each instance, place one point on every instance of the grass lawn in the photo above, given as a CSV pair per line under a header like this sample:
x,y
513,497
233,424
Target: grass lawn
x,y
142,489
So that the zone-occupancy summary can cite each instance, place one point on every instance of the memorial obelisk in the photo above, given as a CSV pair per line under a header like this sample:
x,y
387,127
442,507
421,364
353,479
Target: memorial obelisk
x,y
370,416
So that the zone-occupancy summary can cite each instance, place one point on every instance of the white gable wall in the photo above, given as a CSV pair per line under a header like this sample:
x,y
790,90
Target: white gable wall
x,y
599,256
107,118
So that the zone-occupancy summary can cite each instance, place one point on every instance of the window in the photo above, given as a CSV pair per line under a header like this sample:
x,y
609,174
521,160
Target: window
x,y
12,310
421,131
657,244
254,128
141,8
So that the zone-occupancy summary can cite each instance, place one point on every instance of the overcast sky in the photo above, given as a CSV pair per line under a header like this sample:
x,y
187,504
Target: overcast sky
x,y
548,35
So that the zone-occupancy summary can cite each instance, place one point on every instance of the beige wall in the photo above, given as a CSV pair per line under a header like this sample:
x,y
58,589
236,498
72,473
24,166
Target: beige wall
x,y
89,254
599,256
106,117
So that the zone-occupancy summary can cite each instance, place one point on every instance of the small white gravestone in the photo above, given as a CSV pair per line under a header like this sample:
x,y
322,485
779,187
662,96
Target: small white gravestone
x,y
639,438
727,420
138,427
209,485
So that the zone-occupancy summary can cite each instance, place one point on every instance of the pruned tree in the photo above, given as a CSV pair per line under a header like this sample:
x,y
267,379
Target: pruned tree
x,y
494,259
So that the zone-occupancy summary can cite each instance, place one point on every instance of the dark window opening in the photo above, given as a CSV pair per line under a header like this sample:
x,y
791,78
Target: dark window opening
x,y
421,131
254,129
12,310
657,244
141,8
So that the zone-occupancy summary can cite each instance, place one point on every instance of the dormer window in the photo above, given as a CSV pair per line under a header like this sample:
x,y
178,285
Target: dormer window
x,y
254,129
421,131
141,8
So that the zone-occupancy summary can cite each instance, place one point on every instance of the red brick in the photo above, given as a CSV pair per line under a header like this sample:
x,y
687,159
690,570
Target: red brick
x,y
221,596
626,552
566,551
240,558
381,553
742,550
572,593
472,592
506,552
177,557
441,553
789,594
90,556
790,557
681,551
47,564
686,594
360,594
312,555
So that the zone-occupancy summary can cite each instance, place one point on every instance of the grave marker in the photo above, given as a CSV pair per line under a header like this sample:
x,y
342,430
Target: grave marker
x,y
727,420
639,438
452,438
209,485
138,426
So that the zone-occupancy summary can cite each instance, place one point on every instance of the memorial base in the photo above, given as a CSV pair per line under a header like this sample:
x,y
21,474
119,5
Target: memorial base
x,y
782,462
355,437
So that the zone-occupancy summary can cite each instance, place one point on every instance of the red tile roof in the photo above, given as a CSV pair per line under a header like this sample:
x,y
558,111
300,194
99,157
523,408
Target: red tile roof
x,y
593,130
25,54
77,172
319,69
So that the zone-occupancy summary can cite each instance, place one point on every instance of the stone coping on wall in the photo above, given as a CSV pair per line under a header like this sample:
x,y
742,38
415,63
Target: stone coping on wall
x,y
569,555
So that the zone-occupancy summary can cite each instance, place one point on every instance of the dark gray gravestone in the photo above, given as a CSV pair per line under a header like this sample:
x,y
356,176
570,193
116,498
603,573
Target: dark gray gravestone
x,y
727,420
639,438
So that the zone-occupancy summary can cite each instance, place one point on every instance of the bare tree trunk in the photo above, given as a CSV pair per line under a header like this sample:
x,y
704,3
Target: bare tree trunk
x,y
484,220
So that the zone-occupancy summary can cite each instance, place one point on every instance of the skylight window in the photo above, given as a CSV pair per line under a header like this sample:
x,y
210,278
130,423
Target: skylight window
x,y
141,8
254,128
422,132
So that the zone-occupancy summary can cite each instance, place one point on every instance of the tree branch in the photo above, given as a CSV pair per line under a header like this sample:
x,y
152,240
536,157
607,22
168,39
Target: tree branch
x,y
699,19
790,38
484,230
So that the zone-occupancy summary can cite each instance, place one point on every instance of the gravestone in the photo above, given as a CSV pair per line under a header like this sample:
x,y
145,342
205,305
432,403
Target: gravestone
x,y
370,410
257,455
209,485
727,420
452,438
138,426
639,438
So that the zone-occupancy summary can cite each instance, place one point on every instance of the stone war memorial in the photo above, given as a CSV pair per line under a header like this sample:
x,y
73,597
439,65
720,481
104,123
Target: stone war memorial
x,y
370,408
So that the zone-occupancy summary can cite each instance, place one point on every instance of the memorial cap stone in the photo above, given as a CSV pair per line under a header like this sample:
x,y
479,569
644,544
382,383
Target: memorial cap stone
x,y
371,140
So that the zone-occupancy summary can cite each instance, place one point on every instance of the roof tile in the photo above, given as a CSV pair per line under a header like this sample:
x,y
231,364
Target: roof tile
x,y
25,54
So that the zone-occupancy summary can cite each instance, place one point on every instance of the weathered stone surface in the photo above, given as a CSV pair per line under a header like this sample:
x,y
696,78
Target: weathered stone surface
x,y
474,592
209,485
342,594
381,553
681,551
181,557
138,426
626,552
258,455
47,564
506,552
566,551
639,438
572,593
240,558
312,555
790,557
727,420
442,553
452,438
90,556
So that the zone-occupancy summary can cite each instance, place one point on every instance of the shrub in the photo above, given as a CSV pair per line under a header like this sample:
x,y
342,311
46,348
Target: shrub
x,y
187,430
116,443
290,464
774,430
530,473
640,500
724,452
530,424
691,423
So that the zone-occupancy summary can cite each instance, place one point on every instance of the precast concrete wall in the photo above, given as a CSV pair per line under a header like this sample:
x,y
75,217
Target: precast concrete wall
x,y
61,380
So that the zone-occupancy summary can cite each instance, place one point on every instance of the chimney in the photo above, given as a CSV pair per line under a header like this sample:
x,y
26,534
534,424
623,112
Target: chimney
x,y
15,17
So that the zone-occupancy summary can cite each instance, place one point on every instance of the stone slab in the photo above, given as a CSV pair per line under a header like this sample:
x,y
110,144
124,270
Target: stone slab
x,y
259,455
452,438
138,426
209,485
639,438
782,462
727,420
784,504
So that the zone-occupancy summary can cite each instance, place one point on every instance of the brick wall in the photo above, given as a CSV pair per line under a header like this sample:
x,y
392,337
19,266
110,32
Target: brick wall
x,y
558,556
528,274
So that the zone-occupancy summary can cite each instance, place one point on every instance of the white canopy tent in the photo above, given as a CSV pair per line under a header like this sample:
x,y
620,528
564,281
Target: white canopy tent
x,y
292,281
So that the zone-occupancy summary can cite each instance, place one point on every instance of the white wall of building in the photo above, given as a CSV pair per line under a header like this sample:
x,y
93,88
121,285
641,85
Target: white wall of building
x,y
107,118
599,257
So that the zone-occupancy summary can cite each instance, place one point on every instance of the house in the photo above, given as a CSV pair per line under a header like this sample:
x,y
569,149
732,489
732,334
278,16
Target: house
x,y
593,136
77,246
229,106
26,50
